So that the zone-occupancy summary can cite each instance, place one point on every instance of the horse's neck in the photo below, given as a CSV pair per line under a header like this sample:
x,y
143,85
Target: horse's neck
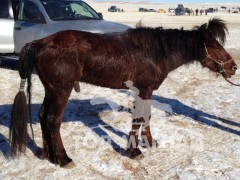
x,y
182,49
176,60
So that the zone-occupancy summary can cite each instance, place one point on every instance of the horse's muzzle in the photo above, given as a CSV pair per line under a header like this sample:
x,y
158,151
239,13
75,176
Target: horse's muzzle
x,y
234,68
229,73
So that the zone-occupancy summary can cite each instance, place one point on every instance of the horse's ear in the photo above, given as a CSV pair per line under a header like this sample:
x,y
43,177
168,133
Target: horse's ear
x,y
139,24
218,29
205,33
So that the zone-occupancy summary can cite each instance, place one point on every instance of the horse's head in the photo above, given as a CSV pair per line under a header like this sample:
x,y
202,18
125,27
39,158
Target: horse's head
x,y
216,58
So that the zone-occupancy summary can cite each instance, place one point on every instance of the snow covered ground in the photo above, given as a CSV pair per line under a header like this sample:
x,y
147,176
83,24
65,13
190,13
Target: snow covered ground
x,y
199,140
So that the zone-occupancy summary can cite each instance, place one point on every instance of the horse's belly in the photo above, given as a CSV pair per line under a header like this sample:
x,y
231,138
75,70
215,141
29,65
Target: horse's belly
x,y
112,77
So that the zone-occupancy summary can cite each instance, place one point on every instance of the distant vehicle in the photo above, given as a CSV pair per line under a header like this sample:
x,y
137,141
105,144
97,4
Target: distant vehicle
x,y
179,11
142,10
113,9
146,10
224,7
210,10
151,10
171,9
161,11
235,11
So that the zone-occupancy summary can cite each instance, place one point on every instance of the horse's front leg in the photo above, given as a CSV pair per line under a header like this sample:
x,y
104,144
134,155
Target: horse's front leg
x,y
141,110
147,140
132,145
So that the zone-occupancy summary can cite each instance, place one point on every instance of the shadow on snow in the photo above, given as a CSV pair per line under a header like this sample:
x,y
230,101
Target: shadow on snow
x,y
85,112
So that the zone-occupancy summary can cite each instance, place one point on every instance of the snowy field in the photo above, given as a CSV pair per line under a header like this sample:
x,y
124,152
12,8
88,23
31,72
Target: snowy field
x,y
199,140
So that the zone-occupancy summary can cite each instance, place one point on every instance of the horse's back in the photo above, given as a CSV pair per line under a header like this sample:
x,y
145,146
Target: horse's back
x,y
100,59
106,60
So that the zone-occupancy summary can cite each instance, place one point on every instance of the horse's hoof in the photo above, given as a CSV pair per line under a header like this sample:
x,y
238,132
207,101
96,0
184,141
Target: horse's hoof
x,y
38,152
134,153
139,157
45,154
65,161
69,165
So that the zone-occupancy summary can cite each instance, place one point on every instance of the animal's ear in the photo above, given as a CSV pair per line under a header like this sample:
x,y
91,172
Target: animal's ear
x,y
218,29
205,33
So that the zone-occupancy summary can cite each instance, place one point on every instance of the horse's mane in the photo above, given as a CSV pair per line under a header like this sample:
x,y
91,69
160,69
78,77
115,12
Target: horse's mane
x,y
168,42
187,44
218,29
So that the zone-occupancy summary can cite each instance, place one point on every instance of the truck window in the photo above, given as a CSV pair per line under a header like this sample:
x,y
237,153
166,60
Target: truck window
x,y
4,9
30,12
69,10
82,10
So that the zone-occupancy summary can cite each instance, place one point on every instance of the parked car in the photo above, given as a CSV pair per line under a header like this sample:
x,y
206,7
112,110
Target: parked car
x,y
151,10
161,11
6,21
210,10
142,10
179,11
28,20
113,9
224,7
171,9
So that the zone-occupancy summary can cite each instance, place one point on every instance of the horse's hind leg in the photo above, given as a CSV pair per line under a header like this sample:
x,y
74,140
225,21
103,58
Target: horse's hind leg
x,y
40,115
53,108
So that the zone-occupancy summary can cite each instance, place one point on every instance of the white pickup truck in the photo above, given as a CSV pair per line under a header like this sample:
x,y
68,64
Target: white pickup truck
x,y
23,21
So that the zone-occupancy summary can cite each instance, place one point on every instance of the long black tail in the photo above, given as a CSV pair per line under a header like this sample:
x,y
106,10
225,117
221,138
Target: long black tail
x,y
19,115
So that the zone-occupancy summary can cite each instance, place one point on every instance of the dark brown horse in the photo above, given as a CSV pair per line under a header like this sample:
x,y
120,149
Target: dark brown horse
x,y
143,56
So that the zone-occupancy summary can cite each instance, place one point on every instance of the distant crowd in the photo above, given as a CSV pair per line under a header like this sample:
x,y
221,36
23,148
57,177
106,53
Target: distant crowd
x,y
200,11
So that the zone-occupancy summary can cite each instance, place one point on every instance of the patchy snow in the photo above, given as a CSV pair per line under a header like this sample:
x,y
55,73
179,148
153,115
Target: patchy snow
x,y
233,39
